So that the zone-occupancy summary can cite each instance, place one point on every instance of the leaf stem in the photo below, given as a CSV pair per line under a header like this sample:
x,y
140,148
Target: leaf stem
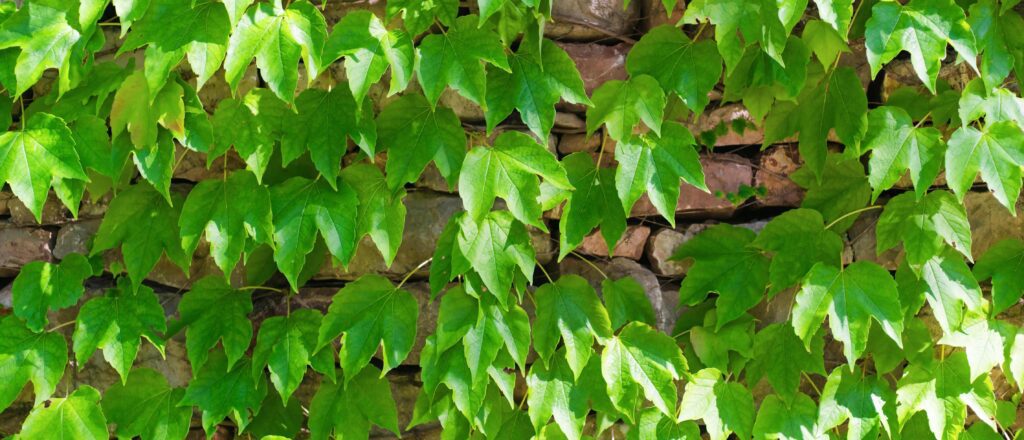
x,y
854,212
590,263
545,272
813,385
413,271
61,325
272,289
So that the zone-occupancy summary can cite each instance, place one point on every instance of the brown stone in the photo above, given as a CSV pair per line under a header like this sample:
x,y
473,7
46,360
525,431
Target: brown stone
x,y
577,142
54,212
598,63
75,238
664,242
192,165
776,164
722,172
654,11
619,268
569,123
862,241
900,73
630,245
588,20
725,117
21,245
991,222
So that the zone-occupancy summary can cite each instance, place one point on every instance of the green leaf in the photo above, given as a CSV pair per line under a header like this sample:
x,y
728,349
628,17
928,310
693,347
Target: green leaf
x,y
949,287
145,226
826,43
654,424
991,30
300,207
640,359
369,49
75,416
381,211
726,407
838,102
221,391
984,340
348,408
666,54
656,164
554,392
798,239
837,13
865,400
456,58
569,310
133,110
249,126
457,313
940,389
324,121
509,169
758,21
786,421
852,297
845,190
45,31
923,226
535,83
896,145
723,347
620,105
115,322
213,311
232,213
1003,263
156,164
372,313
921,27
415,132
783,358
287,345
627,302
725,262
33,157
496,247
594,203
997,152
26,356
146,406
418,15
43,287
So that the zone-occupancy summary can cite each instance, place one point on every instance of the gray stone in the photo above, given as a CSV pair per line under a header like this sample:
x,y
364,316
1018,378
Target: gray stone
x,y
53,213
21,245
589,20
75,238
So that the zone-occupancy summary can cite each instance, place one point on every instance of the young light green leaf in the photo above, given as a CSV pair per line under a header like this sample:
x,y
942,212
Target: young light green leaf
x,y
213,311
799,240
786,421
286,345
43,287
837,13
569,310
654,424
949,287
865,400
940,389
725,407
75,416
221,391
27,356
369,49
324,121
758,21
415,132
594,203
665,53
497,248
554,392
923,226
45,31
33,157
656,164
347,408
147,407
997,152
783,358
1003,263
418,15
896,145
133,110
381,211
620,105
642,361
626,302
456,58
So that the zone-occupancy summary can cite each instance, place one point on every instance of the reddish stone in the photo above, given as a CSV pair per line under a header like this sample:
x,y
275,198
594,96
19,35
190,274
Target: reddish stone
x,y
776,164
19,246
722,172
597,63
631,245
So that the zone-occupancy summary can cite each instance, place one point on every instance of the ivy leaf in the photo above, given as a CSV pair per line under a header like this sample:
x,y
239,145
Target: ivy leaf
x,y
939,390
726,407
115,323
642,359
495,247
418,16
229,212
75,416
594,203
133,110
896,145
991,28
27,356
46,32
569,310
457,313
949,286
414,131
456,59
509,169
381,211
348,408
837,13
145,226
372,313
287,344
921,27
664,53
923,226
535,83
984,340
845,190
33,157
777,342
300,207
1003,263
147,407
369,49
324,120
758,22
620,105
851,296
554,392
725,263
43,287
725,346
839,103
997,152
221,391
654,424
865,400
627,302
213,311
247,125
799,240
783,420
656,164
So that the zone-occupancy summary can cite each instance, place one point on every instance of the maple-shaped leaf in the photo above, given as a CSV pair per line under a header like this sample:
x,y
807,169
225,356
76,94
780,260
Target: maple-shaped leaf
x,y
759,21
213,311
324,121
115,322
721,346
456,58
798,239
372,313
415,132
286,345
593,203
302,207
994,35
626,302
141,222
251,125
509,169
839,103
947,284
535,83
763,83
845,190
997,152
851,297
725,407
942,389
725,262
1003,263
498,248
641,363
381,209
653,424
31,158
924,226
132,110
156,163
898,145
656,164
220,391
46,31
569,310
511,325
554,392
146,407
793,420
986,343
866,401
369,49
28,356
76,416
277,37
783,358
231,213
418,16
620,105
837,13
921,27
347,408
663,53
171,31
43,287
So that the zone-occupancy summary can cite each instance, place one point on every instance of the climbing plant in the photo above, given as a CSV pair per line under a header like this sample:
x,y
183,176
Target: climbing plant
x,y
517,353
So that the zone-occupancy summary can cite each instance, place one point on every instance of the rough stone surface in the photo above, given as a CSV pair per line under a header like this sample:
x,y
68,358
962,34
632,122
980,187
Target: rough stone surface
x,y
722,172
631,245
619,268
991,222
21,245
589,20
574,143
776,164
598,64
75,238
53,212
664,242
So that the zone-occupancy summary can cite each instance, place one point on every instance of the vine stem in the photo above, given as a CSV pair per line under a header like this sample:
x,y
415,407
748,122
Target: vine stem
x,y
545,272
413,271
590,263
60,326
854,212
272,289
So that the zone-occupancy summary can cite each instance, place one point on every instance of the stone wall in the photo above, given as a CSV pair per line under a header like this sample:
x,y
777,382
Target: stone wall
x,y
597,34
